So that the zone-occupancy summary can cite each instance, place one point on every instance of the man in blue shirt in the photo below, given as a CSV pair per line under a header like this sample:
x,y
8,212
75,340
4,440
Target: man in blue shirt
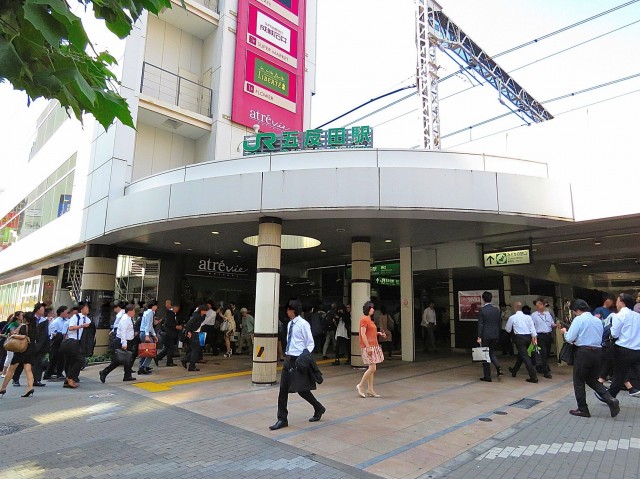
x,y
603,312
57,330
586,334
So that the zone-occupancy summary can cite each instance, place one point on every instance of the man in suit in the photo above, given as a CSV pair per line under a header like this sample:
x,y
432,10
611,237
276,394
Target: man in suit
x,y
42,343
489,324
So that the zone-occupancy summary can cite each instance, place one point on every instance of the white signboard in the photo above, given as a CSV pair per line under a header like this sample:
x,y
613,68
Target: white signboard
x,y
274,32
507,258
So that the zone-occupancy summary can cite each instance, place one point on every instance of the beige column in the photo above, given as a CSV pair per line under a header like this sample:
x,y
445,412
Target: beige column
x,y
406,305
265,347
360,291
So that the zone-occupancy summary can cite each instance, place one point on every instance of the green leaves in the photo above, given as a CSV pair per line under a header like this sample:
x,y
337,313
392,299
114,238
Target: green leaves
x,y
45,51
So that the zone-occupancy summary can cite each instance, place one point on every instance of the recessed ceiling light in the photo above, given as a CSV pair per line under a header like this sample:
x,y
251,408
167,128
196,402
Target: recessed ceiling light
x,y
585,265
177,242
388,241
340,230
323,250
189,249
597,243
234,251
215,232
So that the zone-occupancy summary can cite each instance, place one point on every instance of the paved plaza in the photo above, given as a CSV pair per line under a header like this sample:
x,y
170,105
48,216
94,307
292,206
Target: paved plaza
x,y
435,419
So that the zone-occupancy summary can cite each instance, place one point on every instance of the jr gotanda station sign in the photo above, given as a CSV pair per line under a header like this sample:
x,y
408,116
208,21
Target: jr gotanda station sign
x,y
354,137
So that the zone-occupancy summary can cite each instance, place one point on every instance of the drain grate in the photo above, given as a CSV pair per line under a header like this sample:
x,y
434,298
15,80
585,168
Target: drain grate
x,y
525,403
6,429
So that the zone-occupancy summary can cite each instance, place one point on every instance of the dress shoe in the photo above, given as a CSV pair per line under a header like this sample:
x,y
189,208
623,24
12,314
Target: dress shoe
x,y
548,375
513,372
317,415
579,413
103,376
129,379
184,364
614,407
31,391
39,385
193,369
599,397
487,380
155,360
16,384
142,371
279,425
532,380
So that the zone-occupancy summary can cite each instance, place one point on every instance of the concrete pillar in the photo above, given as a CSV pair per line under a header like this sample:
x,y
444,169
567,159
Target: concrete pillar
x,y
265,349
506,285
99,281
407,324
452,311
360,291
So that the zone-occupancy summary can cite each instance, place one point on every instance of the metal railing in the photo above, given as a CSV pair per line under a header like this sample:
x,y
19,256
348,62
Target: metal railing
x,y
210,4
171,88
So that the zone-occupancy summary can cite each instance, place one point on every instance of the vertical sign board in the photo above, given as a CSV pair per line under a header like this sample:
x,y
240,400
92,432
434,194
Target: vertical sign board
x,y
268,84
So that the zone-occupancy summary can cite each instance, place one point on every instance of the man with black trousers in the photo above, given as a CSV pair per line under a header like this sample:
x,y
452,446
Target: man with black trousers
x,y
524,334
489,323
192,330
299,339
544,325
586,334
171,333
42,344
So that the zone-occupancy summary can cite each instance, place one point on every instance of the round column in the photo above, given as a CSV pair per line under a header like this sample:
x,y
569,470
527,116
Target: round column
x,y
265,348
99,281
360,291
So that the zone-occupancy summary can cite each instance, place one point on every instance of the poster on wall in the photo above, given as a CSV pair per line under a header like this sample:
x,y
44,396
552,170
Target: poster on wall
x,y
470,302
268,84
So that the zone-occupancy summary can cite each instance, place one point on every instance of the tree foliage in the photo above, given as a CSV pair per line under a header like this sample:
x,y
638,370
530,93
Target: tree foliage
x,y
46,52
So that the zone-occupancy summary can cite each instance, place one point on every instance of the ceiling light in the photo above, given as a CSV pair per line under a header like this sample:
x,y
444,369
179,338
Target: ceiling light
x,y
388,241
340,230
585,265
177,242
597,243
234,251
288,242
215,232
189,249
323,250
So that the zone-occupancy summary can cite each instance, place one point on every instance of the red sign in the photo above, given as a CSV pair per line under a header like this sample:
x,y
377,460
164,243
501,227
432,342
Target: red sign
x,y
269,70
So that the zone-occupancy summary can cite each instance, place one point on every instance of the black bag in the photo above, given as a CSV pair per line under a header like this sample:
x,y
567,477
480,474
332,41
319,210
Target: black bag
x,y
122,357
567,353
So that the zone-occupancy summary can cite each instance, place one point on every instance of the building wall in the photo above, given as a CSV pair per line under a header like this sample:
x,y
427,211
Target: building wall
x,y
158,150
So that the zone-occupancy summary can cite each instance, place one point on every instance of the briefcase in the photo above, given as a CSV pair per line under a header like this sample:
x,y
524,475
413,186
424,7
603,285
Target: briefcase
x,y
147,350
480,355
123,357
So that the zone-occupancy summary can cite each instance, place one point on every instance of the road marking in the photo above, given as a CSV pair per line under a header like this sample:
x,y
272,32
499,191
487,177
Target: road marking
x,y
154,387
556,448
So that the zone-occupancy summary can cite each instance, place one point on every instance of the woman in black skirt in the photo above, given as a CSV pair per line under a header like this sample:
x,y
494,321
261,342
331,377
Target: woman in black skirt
x,y
28,328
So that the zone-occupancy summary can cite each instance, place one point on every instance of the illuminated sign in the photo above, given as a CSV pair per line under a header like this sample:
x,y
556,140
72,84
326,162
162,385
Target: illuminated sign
x,y
507,258
355,137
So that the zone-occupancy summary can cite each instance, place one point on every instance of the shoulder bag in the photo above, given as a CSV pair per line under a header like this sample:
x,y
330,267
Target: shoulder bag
x,y
567,353
17,345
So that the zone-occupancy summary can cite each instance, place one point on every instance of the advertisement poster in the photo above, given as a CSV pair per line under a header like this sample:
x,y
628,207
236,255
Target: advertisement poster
x,y
268,85
469,302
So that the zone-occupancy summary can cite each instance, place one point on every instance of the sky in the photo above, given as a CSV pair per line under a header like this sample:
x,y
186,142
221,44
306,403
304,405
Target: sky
x,y
367,47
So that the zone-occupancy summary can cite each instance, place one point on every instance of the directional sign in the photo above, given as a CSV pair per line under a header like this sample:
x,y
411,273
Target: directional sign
x,y
507,258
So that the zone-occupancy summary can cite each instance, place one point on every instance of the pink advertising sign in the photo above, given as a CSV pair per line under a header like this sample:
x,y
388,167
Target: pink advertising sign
x,y
269,70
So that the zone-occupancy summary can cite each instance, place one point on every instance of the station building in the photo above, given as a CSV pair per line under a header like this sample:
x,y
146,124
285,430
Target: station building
x,y
192,204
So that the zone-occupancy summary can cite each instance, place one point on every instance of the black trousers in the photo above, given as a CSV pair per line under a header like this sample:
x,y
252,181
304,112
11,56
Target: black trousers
x,y
522,342
38,366
608,361
343,345
585,371
627,363
193,354
128,370
74,359
283,395
505,343
169,348
56,362
544,341
492,344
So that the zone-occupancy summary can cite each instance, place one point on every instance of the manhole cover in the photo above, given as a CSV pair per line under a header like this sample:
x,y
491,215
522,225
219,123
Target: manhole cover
x,y
485,419
6,429
525,403
500,413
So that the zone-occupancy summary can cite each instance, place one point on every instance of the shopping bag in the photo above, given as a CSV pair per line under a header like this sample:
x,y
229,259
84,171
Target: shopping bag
x,y
202,338
147,350
480,354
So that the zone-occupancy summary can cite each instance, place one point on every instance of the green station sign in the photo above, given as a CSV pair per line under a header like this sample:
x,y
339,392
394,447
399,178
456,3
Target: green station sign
x,y
354,137
507,258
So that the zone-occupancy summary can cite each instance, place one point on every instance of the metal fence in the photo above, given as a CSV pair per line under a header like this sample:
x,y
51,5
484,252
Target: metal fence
x,y
172,88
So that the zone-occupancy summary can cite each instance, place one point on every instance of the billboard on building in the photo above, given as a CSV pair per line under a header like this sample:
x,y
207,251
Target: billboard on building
x,y
268,85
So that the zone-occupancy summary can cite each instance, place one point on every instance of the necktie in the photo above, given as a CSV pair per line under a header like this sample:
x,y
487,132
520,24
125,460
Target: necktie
x,y
289,338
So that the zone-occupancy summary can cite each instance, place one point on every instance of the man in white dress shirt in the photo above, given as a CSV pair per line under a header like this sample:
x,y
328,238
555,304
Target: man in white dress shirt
x,y
125,335
428,325
524,334
625,326
544,325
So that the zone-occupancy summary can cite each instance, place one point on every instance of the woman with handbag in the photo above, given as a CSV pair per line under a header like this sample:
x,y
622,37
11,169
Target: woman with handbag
x,y
25,334
228,327
8,330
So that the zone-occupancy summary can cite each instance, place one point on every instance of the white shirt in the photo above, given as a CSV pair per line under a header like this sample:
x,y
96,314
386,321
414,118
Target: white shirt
x,y
521,323
542,321
301,337
75,320
125,329
209,318
625,326
119,316
429,316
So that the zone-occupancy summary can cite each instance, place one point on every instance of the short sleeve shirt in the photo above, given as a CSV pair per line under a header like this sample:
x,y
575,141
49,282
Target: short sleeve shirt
x,y
371,333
